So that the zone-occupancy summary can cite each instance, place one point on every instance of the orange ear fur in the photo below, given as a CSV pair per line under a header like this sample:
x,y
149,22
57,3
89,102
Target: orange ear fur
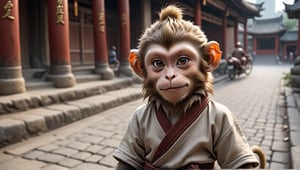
x,y
212,50
135,63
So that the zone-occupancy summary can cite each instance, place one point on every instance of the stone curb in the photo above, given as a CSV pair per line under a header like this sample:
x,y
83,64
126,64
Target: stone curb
x,y
293,110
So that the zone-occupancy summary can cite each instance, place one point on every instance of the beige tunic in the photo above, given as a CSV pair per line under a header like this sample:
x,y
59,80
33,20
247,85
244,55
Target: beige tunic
x,y
215,135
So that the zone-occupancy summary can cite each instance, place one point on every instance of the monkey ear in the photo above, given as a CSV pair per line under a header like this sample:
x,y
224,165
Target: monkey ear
x,y
213,52
135,63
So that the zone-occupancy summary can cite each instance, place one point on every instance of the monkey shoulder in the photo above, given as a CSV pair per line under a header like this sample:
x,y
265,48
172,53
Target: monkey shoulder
x,y
220,116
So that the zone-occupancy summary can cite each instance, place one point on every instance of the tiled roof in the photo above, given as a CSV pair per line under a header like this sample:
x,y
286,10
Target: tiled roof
x,y
267,26
290,36
246,8
293,10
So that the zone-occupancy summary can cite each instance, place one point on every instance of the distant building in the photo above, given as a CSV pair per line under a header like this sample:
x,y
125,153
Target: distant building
x,y
293,11
289,42
266,35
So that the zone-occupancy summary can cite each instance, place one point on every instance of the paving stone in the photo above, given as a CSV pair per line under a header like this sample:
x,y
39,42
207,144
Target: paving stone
x,y
295,127
94,158
48,147
111,142
280,146
65,151
296,165
34,154
91,139
81,155
295,153
21,164
266,142
94,148
106,151
276,165
280,135
78,145
281,157
51,158
54,167
69,162
99,132
109,161
294,116
295,138
91,166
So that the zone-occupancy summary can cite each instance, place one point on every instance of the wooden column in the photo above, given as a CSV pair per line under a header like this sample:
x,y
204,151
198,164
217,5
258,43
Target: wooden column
x,y
100,44
58,22
124,29
198,16
245,36
298,43
236,32
224,33
11,79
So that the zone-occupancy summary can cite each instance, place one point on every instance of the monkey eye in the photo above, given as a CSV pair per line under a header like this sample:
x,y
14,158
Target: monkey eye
x,y
183,60
158,64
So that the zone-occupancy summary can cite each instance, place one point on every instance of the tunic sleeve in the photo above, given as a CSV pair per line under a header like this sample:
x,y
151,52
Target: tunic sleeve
x,y
131,148
231,147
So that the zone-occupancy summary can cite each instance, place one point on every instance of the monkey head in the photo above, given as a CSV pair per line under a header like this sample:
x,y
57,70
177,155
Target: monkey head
x,y
174,58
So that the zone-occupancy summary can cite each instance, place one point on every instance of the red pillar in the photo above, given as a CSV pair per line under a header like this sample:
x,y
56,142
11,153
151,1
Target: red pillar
x,y
236,32
224,33
11,79
58,22
298,43
100,46
124,29
245,36
198,16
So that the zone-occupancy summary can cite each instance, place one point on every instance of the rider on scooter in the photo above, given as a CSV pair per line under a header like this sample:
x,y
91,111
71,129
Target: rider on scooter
x,y
240,54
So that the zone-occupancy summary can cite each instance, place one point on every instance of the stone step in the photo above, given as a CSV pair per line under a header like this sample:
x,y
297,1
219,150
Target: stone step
x,y
47,95
16,127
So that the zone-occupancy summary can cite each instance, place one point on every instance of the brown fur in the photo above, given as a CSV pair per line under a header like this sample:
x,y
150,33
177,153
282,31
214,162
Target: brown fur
x,y
261,155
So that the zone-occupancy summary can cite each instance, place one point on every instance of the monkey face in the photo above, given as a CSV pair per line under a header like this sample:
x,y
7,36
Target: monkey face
x,y
172,70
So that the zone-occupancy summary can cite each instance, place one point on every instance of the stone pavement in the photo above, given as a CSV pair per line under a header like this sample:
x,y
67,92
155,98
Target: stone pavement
x,y
89,143
293,110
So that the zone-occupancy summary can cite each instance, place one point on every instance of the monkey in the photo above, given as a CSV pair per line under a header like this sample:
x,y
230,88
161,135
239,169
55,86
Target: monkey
x,y
181,126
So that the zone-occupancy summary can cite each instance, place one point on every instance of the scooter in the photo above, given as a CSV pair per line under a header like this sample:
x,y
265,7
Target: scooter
x,y
236,67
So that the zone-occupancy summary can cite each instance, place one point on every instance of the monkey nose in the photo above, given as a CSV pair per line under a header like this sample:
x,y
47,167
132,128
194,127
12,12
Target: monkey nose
x,y
170,76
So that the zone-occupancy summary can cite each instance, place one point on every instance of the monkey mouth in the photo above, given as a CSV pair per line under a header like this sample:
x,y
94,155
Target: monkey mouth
x,y
173,88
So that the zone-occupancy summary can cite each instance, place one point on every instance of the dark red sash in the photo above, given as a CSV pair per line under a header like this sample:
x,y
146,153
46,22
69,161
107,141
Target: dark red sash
x,y
175,131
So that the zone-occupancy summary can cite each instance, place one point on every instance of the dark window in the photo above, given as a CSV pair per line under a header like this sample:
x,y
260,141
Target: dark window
x,y
266,43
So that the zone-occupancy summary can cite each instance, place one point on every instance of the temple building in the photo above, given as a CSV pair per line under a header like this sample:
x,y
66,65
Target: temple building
x,y
53,40
293,12
289,42
266,35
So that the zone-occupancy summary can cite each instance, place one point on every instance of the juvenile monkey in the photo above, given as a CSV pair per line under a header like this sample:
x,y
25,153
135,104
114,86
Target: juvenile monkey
x,y
181,126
